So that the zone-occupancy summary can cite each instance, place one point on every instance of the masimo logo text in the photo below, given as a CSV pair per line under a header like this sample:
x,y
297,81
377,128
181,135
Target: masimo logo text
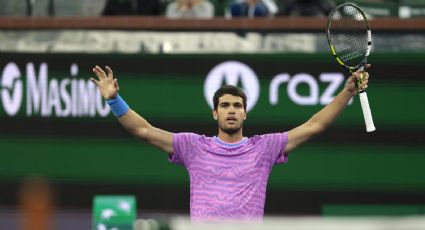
x,y
38,95
240,74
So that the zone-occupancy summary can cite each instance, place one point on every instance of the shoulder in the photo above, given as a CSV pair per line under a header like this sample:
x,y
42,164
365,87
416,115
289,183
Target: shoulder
x,y
171,7
207,4
270,139
269,136
192,137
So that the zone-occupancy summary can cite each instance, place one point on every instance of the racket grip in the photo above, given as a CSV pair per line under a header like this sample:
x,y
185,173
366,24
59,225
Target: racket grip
x,y
367,114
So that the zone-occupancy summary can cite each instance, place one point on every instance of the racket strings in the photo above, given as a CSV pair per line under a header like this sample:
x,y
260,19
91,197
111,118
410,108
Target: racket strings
x,y
348,34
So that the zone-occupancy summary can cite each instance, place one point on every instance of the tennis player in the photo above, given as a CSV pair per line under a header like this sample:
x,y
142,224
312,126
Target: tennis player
x,y
228,172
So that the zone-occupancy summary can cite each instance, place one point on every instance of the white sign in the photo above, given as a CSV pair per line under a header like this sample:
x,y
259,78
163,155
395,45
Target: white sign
x,y
233,72
49,97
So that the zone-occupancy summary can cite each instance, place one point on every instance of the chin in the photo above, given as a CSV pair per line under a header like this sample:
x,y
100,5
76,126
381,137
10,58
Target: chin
x,y
231,130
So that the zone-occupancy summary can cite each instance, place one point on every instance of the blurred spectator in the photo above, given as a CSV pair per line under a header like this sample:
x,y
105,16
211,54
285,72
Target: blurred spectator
x,y
190,9
252,8
48,8
71,8
36,204
306,7
132,7
15,8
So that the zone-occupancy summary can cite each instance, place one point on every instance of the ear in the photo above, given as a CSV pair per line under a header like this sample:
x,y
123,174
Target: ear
x,y
244,117
215,115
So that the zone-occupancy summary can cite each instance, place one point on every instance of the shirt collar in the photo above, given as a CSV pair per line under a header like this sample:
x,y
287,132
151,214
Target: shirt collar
x,y
231,145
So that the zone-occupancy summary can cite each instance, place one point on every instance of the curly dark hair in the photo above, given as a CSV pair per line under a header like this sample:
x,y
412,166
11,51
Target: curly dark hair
x,y
229,89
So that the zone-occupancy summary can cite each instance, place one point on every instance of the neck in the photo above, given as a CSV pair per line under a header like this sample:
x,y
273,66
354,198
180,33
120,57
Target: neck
x,y
230,138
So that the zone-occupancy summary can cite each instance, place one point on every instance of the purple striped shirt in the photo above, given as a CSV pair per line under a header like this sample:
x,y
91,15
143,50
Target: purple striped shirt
x,y
228,181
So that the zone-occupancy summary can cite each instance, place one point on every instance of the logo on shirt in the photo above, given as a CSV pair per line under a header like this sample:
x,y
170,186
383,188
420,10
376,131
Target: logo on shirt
x,y
232,73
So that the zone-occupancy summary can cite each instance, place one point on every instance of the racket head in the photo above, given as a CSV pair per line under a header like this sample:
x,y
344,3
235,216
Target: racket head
x,y
349,36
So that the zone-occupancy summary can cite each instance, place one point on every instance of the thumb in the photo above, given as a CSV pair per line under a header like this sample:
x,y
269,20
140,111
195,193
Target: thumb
x,y
353,78
116,84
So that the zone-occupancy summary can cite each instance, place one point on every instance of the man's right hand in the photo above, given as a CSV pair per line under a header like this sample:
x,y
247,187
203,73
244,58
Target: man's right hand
x,y
107,84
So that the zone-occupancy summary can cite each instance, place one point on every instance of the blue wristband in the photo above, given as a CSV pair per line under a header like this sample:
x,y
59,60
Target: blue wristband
x,y
118,106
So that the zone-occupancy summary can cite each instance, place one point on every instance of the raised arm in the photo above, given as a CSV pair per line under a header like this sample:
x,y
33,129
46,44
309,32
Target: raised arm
x,y
320,121
130,120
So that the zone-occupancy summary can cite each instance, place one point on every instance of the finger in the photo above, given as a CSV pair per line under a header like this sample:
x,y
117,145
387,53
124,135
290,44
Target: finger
x,y
353,78
364,84
357,75
100,70
366,75
95,81
110,73
367,66
365,80
99,75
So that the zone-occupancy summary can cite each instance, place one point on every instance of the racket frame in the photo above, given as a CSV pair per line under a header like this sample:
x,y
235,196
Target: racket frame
x,y
367,114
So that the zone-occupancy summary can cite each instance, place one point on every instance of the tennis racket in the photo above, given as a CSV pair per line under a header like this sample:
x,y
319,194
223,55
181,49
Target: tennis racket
x,y
350,39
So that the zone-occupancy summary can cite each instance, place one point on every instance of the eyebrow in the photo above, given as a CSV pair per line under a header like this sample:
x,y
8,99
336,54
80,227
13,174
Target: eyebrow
x,y
228,103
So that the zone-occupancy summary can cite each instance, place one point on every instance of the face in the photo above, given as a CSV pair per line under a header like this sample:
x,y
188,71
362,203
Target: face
x,y
230,113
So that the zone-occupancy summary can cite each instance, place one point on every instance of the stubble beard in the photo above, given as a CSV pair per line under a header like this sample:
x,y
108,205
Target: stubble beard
x,y
231,131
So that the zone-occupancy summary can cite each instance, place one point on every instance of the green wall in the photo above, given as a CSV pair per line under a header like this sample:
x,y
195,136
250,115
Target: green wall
x,y
168,91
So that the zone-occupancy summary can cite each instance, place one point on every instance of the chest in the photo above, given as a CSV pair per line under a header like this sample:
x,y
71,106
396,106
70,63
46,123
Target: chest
x,y
247,162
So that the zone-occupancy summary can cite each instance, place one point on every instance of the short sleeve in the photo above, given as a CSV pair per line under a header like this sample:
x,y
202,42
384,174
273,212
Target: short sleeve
x,y
182,147
276,144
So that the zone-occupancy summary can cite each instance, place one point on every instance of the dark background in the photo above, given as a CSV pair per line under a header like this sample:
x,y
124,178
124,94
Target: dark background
x,y
86,156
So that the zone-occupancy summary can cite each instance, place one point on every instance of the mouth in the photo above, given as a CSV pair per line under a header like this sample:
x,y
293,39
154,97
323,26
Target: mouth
x,y
231,119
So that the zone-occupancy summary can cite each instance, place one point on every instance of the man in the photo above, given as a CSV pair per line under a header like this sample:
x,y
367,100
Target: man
x,y
190,9
228,173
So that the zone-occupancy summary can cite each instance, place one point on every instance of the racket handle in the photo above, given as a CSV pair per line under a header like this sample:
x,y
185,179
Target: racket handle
x,y
370,127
